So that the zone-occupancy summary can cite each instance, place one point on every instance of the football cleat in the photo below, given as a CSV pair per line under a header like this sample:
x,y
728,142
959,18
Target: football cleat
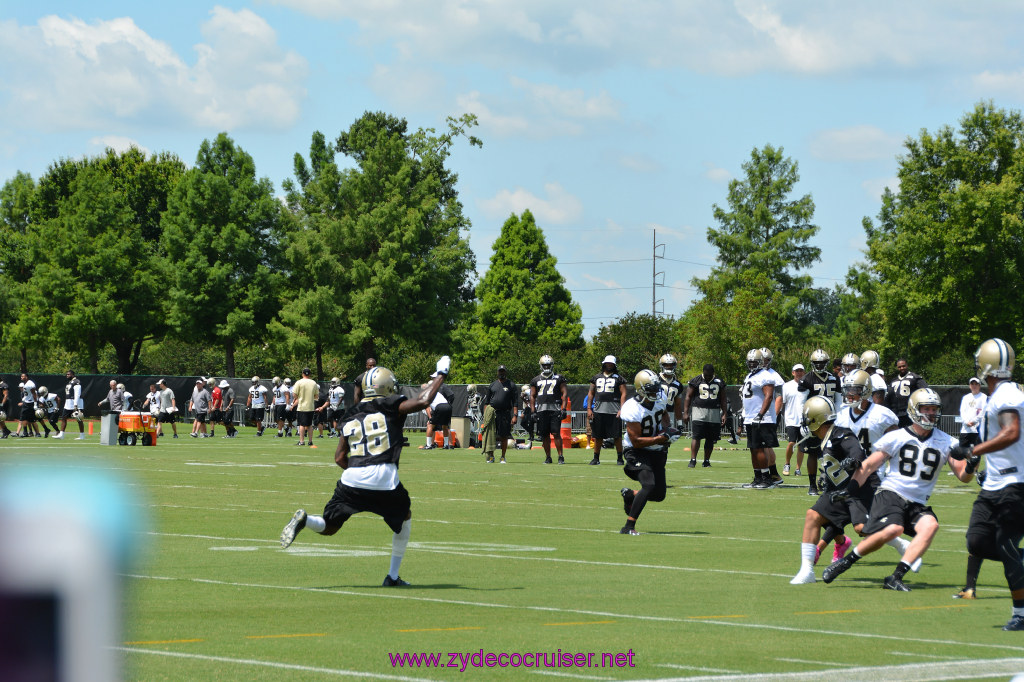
x,y
891,582
812,491
1015,623
547,460
620,461
394,582
297,523
692,464
626,530
966,593
785,470
706,464
839,551
593,462
804,577
561,459
627,499
732,440
836,568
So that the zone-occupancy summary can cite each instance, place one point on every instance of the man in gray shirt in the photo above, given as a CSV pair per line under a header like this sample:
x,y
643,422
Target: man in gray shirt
x,y
227,403
115,398
200,406
168,408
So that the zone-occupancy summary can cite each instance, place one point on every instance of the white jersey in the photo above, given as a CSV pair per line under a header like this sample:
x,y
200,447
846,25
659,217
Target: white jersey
x,y
258,394
51,403
154,401
868,426
752,394
648,418
73,395
914,462
972,407
127,400
878,384
26,392
438,400
280,395
336,396
776,377
793,400
1007,465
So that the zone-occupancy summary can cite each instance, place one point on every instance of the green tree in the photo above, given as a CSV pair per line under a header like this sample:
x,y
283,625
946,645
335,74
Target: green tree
x,y
16,263
637,340
523,296
947,252
220,237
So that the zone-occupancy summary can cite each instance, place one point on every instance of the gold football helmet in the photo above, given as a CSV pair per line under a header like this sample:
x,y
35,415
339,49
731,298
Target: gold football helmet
x,y
43,391
668,365
819,361
818,411
547,366
767,357
255,381
335,381
851,363
855,386
870,358
994,358
277,381
647,385
471,389
924,397
755,359
378,382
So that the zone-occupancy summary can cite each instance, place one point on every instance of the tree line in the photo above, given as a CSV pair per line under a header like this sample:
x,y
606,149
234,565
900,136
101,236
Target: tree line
x,y
124,263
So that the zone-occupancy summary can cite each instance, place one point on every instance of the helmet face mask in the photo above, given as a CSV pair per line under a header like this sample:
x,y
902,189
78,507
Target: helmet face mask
x,y
547,366
819,361
287,382
255,380
668,364
647,386
855,386
994,358
755,359
334,382
378,382
924,408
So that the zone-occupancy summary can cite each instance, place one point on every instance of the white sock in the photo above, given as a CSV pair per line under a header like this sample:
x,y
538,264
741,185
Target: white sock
x,y
899,544
428,442
316,524
1018,611
807,551
398,544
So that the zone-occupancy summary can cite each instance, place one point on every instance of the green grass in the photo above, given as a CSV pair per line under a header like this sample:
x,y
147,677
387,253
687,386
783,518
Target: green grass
x,y
523,557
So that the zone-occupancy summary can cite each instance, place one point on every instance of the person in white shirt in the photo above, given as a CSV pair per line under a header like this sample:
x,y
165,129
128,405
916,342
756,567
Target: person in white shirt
x,y
757,394
791,405
777,379
27,418
257,403
915,456
335,405
73,405
168,408
972,407
997,518
869,362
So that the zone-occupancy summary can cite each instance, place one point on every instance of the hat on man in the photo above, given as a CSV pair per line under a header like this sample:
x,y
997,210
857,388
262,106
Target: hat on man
x,y
798,366
974,380
162,382
200,380
223,383
611,359
306,371
502,368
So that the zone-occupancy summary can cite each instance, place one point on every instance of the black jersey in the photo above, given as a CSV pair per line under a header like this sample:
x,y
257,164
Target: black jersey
x,y
607,392
670,388
706,394
900,389
549,392
839,444
501,395
373,429
824,385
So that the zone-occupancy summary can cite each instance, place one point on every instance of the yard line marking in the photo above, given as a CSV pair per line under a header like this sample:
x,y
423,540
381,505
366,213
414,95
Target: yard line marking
x,y
440,629
282,666
951,670
804,660
584,612
312,634
676,666
706,617
824,613
922,608
165,641
907,653
591,622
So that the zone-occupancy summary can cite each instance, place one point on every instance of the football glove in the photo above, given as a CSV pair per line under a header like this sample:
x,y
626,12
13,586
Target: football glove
x,y
961,452
444,365
849,464
838,496
756,419
673,434
980,477
972,463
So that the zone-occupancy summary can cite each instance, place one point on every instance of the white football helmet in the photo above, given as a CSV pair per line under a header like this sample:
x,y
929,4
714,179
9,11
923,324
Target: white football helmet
x,y
378,382
287,382
851,363
755,359
922,397
767,357
855,386
647,385
668,365
43,391
335,381
819,361
994,358
120,387
547,366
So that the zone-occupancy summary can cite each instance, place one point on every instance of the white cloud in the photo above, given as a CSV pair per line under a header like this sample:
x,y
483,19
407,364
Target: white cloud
x,y
875,187
716,174
609,283
499,124
640,163
65,73
118,143
560,208
856,143
989,83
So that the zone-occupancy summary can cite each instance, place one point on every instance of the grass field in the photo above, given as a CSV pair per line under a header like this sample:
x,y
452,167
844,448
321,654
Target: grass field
x,y
518,558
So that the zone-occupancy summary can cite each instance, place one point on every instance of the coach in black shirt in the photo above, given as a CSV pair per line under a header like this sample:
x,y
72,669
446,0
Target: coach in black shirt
x,y
500,396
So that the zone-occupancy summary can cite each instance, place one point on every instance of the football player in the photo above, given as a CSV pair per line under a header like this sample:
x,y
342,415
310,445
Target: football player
x,y
790,404
704,406
915,456
870,361
997,517
526,420
335,405
758,395
850,364
767,356
439,416
4,408
903,384
817,382
368,452
646,447
672,388
606,397
548,396
841,455
29,396
50,404
280,406
227,408
73,405
473,411
257,403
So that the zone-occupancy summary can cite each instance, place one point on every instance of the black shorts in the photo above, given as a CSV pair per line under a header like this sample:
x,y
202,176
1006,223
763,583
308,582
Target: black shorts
x,y
709,431
969,439
66,414
763,435
227,417
28,412
605,425
888,508
280,412
841,514
441,415
547,423
392,505
200,417
502,424
333,415
995,509
216,416
793,434
644,460
304,418
167,417
257,414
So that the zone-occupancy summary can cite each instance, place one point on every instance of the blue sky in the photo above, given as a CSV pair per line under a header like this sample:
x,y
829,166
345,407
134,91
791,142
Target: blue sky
x,y
611,121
